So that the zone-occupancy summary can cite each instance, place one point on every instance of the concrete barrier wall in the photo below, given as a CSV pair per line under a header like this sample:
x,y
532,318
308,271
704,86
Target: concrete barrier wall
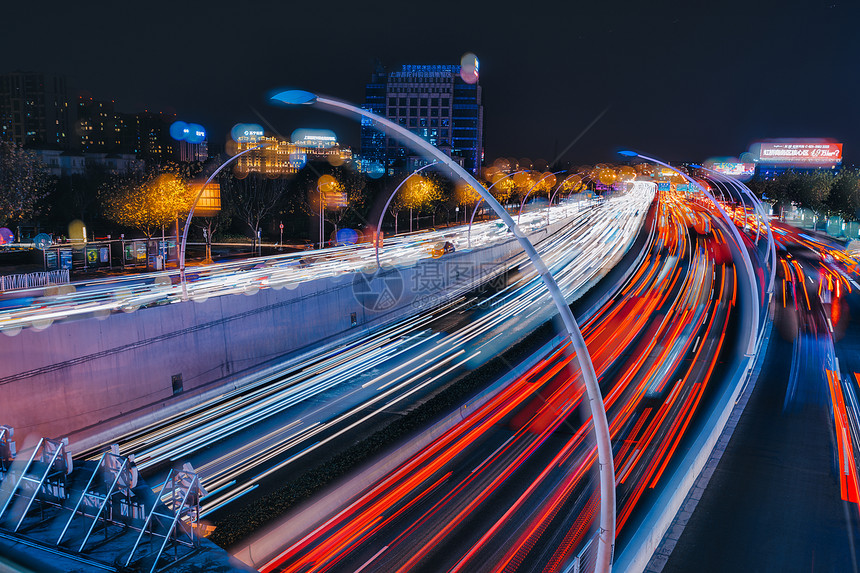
x,y
117,370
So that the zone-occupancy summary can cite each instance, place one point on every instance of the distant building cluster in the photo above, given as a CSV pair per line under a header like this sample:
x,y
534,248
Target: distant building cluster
x,y
38,112
281,157
71,133
432,101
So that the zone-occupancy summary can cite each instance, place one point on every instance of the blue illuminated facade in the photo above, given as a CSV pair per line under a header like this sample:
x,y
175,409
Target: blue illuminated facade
x,y
432,101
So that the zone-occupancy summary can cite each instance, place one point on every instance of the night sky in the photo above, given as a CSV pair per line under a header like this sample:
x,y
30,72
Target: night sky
x,y
682,80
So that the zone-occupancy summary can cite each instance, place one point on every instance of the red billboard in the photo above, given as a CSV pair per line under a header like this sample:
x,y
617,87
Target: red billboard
x,y
800,154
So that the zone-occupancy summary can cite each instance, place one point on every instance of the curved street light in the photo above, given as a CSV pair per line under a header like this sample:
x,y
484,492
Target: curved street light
x,y
761,212
523,204
191,214
387,203
717,185
751,344
481,200
557,189
757,205
606,532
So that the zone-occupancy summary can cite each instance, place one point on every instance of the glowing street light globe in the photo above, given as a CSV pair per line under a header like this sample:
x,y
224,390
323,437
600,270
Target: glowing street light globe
x,y
178,130
190,132
607,176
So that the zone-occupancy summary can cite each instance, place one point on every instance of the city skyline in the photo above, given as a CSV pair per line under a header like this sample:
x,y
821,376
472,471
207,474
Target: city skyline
x,y
336,286
681,82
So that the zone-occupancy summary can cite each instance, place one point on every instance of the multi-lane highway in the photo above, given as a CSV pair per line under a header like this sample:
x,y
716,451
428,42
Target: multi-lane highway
x,y
511,487
251,437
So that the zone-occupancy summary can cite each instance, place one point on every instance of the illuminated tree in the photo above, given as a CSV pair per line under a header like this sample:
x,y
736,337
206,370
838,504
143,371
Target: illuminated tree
x,y
502,187
545,184
344,198
522,182
24,183
773,191
820,191
417,193
459,195
465,194
146,202
844,197
807,189
815,190
571,183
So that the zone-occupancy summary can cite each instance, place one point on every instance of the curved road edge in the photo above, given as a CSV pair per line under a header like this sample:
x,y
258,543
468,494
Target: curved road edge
x,y
648,540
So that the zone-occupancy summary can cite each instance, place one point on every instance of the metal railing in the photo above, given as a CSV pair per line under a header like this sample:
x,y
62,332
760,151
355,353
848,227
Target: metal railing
x,y
33,280
143,530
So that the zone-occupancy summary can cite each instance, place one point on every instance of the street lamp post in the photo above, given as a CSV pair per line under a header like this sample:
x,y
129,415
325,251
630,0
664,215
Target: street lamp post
x,y
478,204
554,193
740,195
606,534
760,209
322,214
191,214
751,345
387,203
532,188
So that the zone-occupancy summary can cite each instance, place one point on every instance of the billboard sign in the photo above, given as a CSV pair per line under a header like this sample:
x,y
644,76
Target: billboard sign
x,y
800,154
52,259
734,169
66,259
135,252
250,132
92,254
335,199
209,203
314,138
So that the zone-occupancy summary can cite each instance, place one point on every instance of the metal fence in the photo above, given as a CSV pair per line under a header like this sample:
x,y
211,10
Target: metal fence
x,y
834,226
33,280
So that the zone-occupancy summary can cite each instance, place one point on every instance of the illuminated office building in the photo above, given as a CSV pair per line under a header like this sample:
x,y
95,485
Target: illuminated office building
x,y
432,101
284,157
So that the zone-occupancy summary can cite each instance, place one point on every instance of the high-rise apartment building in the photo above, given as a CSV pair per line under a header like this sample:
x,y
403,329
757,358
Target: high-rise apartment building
x,y
100,128
432,101
153,137
34,110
